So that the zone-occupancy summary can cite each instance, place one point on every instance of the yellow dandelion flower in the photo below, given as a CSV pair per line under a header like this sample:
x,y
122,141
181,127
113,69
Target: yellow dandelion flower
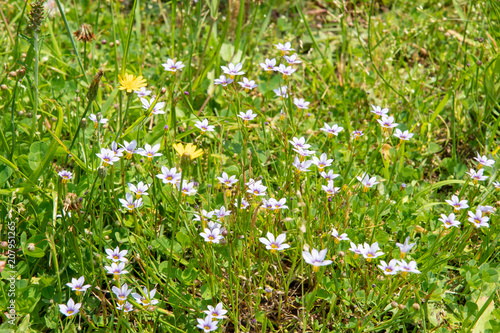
x,y
130,83
189,151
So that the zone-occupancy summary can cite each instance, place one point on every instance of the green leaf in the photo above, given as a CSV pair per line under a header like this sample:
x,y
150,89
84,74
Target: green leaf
x,y
37,253
50,150
37,151
5,173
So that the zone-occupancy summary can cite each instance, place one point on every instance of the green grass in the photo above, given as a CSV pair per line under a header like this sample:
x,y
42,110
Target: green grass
x,y
432,64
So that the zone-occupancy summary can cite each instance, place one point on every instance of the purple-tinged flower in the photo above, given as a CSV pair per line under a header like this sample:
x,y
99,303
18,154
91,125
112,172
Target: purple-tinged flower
x,y
65,175
457,204
70,309
316,258
274,244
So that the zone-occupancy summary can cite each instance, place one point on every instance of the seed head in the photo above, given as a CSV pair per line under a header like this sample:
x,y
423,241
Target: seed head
x,y
36,16
84,33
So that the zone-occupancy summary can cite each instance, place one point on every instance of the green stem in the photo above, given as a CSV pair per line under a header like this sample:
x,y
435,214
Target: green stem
x,y
129,36
78,128
122,121
35,87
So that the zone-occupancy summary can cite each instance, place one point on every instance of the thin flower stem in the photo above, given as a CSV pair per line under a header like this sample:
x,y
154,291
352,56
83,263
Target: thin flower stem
x,y
122,121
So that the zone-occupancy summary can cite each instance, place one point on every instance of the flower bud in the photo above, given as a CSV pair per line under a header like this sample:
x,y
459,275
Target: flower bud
x,y
31,247
394,304
92,93
101,172
401,306
4,87
419,229
21,72
4,245
416,306
83,123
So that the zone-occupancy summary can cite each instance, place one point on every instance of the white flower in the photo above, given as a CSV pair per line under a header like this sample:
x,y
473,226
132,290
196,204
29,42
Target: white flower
x,y
285,71
147,299
334,130
484,160
274,244
77,285
330,189
300,143
330,176
139,190
129,148
301,166
269,65
281,92
65,175
316,258
130,203
403,135
204,126
126,307
70,309
406,268
249,115
247,84
142,92
207,324
244,203
457,204
449,221
156,109
257,189
218,312
149,151
292,60
370,252
486,209
93,117
477,176
204,216
357,134
173,66
322,162
169,176
478,219
357,249
223,80
187,188
367,181
389,269
303,152
301,103
226,180
405,247
233,70
211,236
338,237
116,150
387,122
121,293
379,111
284,48
108,156
222,213
116,269
116,254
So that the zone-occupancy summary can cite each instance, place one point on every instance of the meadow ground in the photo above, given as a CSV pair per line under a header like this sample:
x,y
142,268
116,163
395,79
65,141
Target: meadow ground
x,y
249,166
